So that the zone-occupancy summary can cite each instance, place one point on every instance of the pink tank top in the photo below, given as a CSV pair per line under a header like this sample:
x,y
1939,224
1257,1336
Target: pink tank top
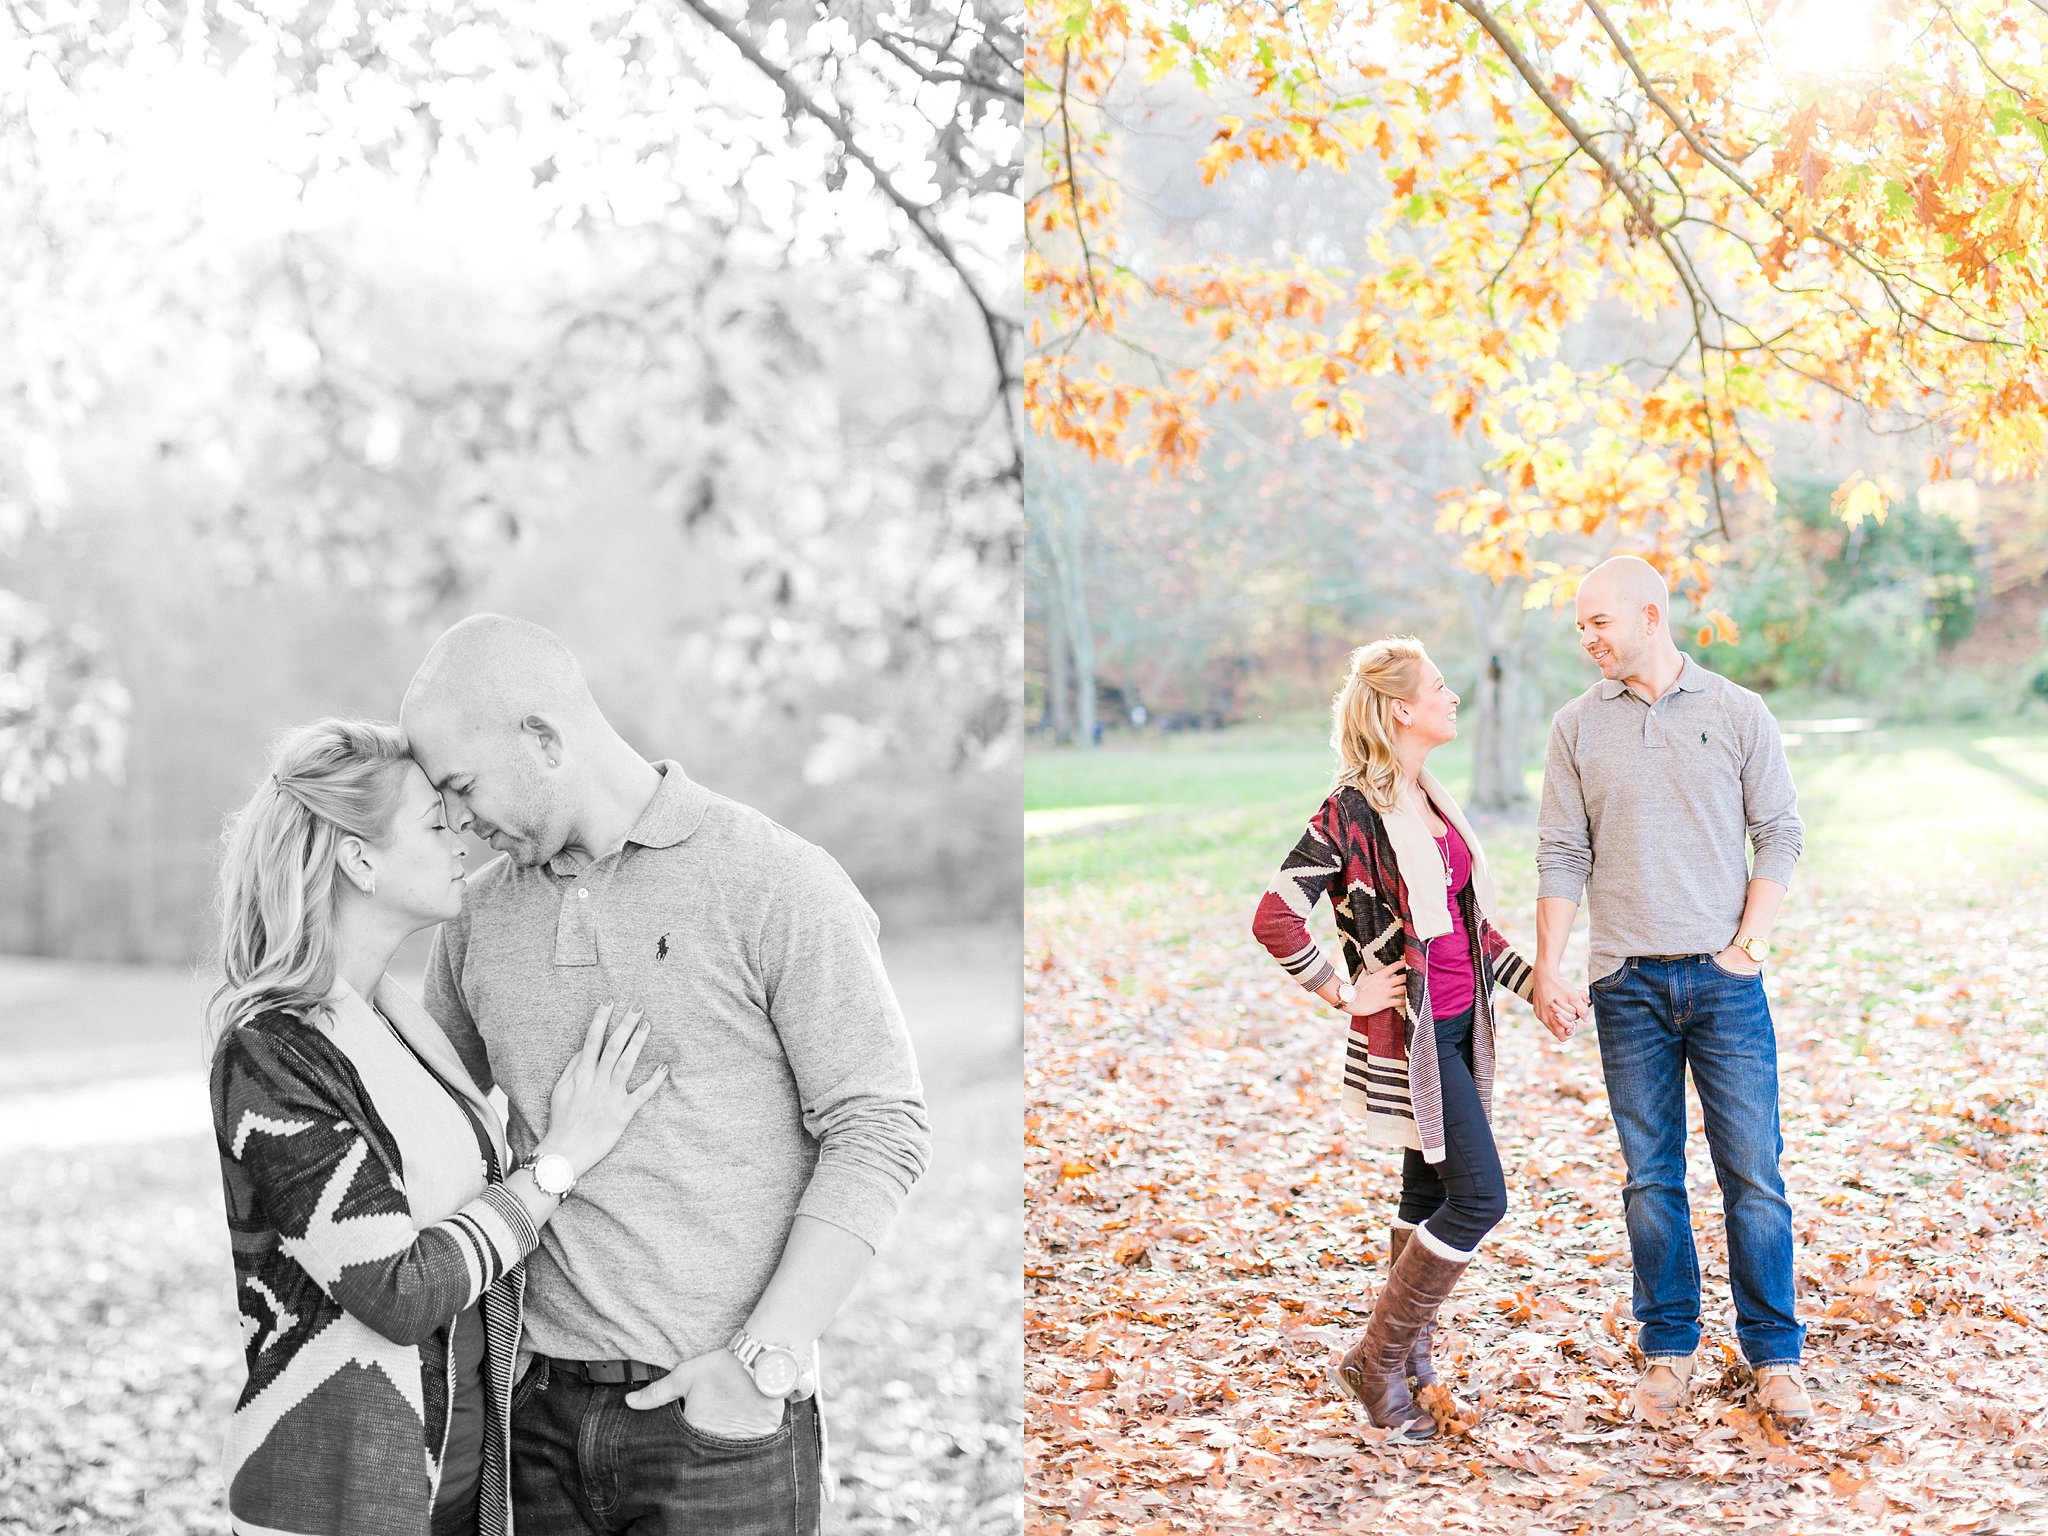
x,y
1451,985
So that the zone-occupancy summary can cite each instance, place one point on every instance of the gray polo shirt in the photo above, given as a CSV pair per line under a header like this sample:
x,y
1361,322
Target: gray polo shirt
x,y
1649,811
794,1090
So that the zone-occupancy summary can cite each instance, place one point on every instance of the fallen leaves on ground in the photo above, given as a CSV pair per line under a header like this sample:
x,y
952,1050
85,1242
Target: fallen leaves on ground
x,y
120,1356
1204,1233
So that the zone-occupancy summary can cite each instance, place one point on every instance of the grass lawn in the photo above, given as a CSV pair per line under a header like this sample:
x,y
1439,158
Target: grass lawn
x,y
1220,809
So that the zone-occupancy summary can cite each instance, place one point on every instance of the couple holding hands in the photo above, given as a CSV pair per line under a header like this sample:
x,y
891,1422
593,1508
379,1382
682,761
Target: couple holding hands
x,y
1657,781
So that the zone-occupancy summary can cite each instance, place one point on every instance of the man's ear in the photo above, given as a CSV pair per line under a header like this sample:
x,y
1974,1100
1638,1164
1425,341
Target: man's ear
x,y
541,733
1653,618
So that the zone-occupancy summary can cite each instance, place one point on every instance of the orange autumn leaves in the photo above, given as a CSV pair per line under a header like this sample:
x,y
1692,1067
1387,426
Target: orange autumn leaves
x,y
1792,236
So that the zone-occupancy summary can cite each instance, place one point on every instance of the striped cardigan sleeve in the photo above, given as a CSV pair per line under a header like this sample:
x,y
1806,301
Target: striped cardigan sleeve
x,y
339,1212
1281,922
1509,968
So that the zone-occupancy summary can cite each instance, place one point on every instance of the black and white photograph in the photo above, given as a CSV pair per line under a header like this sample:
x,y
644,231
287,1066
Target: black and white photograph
x,y
510,768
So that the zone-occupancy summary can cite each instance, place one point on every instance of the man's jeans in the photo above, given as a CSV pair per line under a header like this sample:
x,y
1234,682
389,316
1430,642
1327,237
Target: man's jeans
x,y
1655,1018
583,1462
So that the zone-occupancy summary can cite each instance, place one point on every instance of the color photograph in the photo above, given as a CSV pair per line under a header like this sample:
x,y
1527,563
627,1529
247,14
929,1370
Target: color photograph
x,y
1537,768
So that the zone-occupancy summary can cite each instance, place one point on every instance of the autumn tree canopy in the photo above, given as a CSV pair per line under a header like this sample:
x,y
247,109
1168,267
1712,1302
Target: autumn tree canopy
x,y
1807,205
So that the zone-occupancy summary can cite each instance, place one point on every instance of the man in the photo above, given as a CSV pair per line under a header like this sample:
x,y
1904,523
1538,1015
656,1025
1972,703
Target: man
x,y
693,1270
1655,777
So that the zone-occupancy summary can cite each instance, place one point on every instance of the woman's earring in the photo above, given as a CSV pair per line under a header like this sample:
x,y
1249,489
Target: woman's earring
x,y
369,887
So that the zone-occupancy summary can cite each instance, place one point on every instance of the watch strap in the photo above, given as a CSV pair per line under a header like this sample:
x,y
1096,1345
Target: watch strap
x,y
748,1350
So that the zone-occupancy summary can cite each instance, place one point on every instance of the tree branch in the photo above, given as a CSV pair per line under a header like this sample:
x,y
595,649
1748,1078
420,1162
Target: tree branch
x,y
1721,163
1632,191
1000,328
940,77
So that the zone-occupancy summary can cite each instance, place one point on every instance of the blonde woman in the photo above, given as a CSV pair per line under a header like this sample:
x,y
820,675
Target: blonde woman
x,y
1410,889
378,1227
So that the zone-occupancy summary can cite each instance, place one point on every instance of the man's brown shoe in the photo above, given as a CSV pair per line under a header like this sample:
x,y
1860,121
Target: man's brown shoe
x,y
1374,1371
1781,1394
1662,1389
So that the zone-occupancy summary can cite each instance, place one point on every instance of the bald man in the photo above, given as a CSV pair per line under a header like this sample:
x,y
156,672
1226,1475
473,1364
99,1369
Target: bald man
x,y
1659,782
674,1306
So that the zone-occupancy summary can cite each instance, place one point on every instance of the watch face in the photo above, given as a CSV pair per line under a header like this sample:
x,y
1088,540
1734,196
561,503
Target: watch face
x,y
775,1371
554,1174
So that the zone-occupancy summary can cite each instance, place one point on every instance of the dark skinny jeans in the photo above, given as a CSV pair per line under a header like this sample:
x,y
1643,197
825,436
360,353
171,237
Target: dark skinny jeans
x,y
1464,1197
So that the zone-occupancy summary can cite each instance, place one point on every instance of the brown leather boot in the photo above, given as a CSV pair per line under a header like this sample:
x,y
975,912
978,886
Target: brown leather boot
x,y
1421,1372
1374,1371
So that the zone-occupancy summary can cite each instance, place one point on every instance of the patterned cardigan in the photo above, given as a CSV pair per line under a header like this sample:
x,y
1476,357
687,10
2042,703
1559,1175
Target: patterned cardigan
x,y
1349,853
346,1308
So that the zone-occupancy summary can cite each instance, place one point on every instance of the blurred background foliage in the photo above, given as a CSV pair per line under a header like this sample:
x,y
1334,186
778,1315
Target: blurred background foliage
x,y
688,333
1235,589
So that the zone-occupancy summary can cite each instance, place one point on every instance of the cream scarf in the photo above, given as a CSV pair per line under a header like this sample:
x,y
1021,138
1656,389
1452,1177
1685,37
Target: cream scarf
x,y
1420,859
438,1151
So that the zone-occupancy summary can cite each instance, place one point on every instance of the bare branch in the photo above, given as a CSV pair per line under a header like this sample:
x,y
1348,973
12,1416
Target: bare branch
x,y
1001,328
940,77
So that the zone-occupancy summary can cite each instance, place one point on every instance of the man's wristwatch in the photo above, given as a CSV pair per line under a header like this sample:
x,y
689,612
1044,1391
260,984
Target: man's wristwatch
x,y
774,1367
553,1173
1753,947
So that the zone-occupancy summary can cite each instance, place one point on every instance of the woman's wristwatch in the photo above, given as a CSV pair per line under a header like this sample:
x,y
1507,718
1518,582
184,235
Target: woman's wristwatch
x,y
553,1174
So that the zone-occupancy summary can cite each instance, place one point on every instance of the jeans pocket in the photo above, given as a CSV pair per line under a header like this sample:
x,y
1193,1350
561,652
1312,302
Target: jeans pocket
x,y
1755,975
530,1383
1612,979
730,1445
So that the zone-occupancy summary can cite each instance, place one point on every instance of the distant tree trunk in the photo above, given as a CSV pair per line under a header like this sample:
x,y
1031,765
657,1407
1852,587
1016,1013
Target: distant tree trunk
x,y
142,848
1499,723
1062,523
1084,677
41,861
1059,668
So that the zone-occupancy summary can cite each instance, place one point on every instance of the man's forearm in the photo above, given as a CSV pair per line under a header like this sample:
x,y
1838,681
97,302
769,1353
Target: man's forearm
x,y
1760,905
1554,918
819,1268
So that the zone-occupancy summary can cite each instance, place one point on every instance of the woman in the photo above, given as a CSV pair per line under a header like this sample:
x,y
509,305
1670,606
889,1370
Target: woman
x,y
378,1230
1411,892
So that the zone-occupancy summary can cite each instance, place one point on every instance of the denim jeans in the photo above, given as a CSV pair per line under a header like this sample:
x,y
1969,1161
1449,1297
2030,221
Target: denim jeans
x,y
1656,1018
584,1463
1464,1197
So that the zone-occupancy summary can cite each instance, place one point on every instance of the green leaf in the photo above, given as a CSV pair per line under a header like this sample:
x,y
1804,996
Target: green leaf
x,y
1896,198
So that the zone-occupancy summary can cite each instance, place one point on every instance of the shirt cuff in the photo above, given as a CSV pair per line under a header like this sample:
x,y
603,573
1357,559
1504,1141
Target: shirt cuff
x,y
1567,883
852,1201
1773,864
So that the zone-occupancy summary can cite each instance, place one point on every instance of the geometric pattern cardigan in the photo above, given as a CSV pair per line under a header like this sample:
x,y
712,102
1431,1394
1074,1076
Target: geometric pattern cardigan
x,y
345,1308
1347,854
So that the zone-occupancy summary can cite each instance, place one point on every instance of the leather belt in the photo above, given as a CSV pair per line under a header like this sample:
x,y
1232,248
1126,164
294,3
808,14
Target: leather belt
x,y
1669,957
609,1373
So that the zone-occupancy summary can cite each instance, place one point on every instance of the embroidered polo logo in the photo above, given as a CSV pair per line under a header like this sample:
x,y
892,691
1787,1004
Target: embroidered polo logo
x,y
661,947
1703,738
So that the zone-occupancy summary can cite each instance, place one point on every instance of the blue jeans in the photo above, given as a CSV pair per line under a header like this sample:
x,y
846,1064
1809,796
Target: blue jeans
x,y
584,1463
1656,1018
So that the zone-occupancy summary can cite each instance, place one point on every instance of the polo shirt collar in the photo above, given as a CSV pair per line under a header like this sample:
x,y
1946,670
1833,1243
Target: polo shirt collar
x,y
1692,677
676,811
